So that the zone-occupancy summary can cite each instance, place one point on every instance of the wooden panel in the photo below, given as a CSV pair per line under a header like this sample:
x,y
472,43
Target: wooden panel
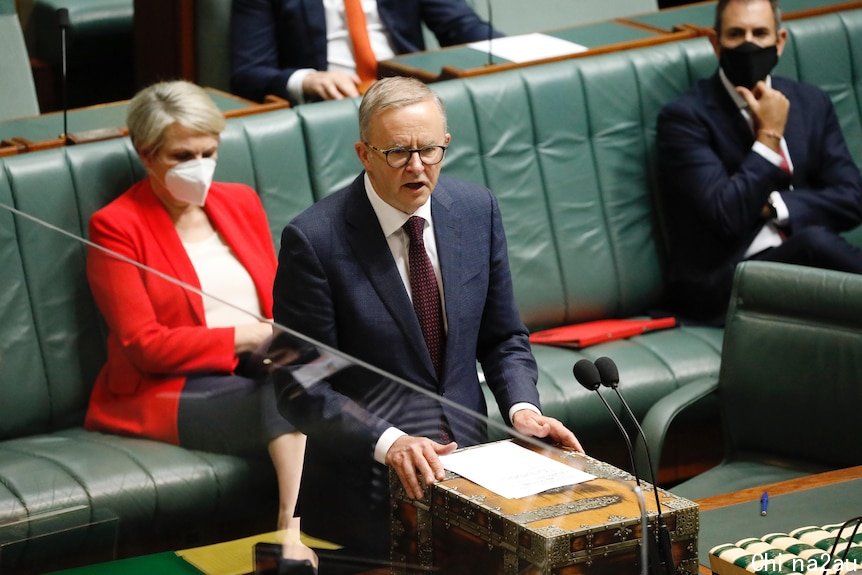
x,y
164,41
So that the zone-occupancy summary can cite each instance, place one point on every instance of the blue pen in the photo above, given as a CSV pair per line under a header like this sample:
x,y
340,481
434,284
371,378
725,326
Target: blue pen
x,y
764,503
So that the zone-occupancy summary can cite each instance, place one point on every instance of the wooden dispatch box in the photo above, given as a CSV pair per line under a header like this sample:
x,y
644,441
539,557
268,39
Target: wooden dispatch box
x,y
590,528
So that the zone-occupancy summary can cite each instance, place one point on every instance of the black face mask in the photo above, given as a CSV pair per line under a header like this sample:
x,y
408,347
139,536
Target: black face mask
x,y
748,63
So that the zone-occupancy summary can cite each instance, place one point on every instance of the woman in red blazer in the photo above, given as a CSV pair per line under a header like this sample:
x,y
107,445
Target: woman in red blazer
x,y
173,371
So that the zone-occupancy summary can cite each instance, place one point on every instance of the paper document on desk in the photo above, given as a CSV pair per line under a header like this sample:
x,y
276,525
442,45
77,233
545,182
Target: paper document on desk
x,y
512,471
527,47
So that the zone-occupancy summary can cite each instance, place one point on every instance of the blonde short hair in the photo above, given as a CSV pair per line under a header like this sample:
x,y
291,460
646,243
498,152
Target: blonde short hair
x,y
158,106
394,92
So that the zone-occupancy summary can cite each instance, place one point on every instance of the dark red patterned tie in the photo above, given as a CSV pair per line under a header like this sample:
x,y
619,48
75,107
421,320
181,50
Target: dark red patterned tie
x,y
426,295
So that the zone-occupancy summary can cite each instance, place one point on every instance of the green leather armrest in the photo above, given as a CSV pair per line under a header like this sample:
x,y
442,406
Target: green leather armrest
x,y
658,419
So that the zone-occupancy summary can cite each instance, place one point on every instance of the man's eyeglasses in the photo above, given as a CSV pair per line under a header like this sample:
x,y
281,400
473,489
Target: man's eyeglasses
x,y
398,157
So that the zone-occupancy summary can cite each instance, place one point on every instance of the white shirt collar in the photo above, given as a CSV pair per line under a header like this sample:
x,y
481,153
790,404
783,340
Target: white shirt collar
x,y
392,219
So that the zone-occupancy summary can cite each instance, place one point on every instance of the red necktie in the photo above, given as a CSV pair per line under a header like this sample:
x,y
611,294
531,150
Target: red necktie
x,y
784,165
426,295
366,61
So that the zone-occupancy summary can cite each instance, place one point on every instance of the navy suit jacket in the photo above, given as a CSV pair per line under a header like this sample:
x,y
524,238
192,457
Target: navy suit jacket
x,y
271,39
337,282
714,185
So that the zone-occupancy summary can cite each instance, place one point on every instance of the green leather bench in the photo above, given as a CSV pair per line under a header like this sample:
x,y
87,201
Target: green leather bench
x,y
568,149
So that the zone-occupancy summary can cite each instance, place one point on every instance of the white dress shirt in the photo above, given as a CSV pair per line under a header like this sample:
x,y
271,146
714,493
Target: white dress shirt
x,y
768,236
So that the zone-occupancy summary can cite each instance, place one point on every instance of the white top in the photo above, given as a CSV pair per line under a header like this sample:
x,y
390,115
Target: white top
x,y
231,298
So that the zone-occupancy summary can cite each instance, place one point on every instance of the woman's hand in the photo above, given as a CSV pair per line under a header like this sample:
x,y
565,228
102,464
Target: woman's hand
x,y
251,336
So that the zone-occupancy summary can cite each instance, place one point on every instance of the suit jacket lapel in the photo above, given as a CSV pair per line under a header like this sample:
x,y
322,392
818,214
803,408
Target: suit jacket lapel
x,y
794,132
447,233
738,129
372,252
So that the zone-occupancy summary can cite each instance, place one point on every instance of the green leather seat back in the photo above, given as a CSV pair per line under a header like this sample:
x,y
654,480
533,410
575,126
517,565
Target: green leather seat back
x,y
827,51
46,385
268,153
789,380
330,130
495,144
24,401
568,148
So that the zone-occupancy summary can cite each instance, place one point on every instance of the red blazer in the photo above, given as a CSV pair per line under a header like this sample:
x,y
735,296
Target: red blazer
x,y
157,329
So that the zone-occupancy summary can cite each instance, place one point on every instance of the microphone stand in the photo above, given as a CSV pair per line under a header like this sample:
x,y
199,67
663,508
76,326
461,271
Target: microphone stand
x,y
63,22
588,376
645,536
661,558
490,32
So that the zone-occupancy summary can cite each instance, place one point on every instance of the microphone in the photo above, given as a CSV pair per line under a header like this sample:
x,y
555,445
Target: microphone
x,y
63,22
588,376
610,377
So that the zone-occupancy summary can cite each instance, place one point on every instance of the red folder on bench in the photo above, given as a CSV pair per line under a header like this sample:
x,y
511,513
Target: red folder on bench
x,y
592,332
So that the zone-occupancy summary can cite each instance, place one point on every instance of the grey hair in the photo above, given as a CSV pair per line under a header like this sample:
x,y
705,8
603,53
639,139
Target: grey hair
x,y
722,5
394,92
158,106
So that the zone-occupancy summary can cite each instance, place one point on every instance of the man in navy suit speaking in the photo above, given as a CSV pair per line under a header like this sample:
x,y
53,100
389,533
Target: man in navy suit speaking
x,y
752,166
406,270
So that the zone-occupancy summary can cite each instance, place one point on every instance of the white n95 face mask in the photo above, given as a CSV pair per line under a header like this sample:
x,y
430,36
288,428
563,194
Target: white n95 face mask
x,y
190,181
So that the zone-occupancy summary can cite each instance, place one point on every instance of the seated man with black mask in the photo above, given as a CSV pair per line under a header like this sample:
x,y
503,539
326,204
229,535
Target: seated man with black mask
x,y
752,166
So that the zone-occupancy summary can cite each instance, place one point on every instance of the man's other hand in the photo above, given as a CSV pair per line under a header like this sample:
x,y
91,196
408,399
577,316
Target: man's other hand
x,y
413,458
530,423
331,85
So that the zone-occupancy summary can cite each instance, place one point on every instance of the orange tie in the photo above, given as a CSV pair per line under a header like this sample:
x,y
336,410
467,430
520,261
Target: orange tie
x,y
366,62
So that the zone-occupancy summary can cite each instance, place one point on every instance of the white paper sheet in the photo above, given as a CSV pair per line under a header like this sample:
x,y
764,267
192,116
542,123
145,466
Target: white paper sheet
x,y
528,47
512,471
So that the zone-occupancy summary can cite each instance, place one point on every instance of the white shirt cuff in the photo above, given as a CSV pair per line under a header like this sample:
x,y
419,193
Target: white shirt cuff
x,y
294,84
385,442
782,214
523,405
768,153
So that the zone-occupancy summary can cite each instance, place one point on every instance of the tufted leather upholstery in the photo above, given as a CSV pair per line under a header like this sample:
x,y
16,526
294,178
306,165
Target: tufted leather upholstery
x,y
567,148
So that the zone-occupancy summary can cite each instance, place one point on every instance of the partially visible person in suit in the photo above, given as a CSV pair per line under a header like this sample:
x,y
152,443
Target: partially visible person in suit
x,y
179,365
752,166
407,270
303,49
